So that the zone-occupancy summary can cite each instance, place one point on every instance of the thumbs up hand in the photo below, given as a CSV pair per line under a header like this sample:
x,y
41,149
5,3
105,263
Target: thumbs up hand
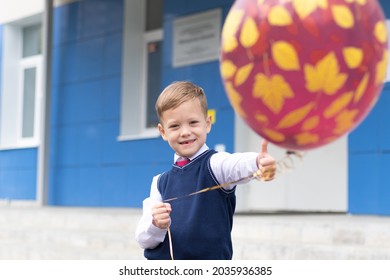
x,y
266,163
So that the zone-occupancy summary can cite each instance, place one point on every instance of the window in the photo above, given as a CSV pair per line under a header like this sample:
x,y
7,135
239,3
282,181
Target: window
x,y
21,84
141,81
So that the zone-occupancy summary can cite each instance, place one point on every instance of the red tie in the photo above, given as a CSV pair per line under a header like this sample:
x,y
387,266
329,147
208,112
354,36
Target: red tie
x,y
183,162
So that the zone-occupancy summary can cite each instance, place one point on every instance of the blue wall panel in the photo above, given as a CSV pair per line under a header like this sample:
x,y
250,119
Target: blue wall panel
x,y
67,64
382,124
90,58
384,184
172,8
370,186
386,7
67,146
64,186
140,177
81,102
18,184
364,183
100,17
113,152
111,100
112,60
369,153
114,185
90,183
90,144
66,23
366,136
18,174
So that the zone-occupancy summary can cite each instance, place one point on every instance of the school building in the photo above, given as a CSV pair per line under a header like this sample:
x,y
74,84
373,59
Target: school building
x,y
78,82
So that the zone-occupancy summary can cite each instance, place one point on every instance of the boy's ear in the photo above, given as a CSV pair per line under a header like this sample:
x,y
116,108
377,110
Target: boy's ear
x,y
209,121
162,131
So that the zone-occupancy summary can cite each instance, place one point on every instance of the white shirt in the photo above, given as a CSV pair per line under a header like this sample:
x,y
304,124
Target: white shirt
x,y
226,168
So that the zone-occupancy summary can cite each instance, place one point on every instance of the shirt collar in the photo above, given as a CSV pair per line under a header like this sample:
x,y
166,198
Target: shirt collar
x,y
200,151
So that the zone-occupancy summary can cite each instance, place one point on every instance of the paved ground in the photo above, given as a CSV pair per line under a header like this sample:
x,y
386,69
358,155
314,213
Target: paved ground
x,y
105,233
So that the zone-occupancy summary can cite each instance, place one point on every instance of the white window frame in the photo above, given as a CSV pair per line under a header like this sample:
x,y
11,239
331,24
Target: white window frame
x,y
134,74
25,63
11,106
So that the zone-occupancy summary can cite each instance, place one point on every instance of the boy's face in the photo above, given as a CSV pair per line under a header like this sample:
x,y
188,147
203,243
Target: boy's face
x,y
185,128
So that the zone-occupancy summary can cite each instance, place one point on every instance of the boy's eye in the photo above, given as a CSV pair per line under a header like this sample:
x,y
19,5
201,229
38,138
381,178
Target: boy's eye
x,y
173,126
194,122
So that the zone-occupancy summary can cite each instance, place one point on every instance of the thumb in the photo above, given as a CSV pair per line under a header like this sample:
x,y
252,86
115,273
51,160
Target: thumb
x,y
264,148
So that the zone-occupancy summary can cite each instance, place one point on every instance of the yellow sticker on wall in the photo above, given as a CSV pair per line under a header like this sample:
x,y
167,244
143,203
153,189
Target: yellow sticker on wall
x,y
212,113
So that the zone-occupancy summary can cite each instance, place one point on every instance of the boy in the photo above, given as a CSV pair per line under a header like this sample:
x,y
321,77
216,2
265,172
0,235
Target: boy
x,y
201,224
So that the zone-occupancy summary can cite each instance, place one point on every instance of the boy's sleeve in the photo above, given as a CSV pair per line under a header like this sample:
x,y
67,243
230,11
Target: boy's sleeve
x,y
232,167
147,235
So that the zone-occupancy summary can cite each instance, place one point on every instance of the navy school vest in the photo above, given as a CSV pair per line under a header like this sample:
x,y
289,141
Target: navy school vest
x,y
201,224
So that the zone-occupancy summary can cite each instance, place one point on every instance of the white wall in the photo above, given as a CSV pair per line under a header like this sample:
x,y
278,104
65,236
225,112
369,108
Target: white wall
x,y
16,9
11,10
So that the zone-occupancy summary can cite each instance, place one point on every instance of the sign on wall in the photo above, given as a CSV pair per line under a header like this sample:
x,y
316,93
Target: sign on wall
x,y
196,38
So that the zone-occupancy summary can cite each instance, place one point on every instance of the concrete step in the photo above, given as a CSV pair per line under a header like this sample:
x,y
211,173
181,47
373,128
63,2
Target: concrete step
x,y
68,233
68,218
103,233
311,236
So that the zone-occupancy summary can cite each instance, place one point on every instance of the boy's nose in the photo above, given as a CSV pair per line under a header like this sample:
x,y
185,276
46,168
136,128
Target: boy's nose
x,y
185,130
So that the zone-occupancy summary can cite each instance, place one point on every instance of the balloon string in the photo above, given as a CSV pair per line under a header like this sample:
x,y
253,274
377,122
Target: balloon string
x,y
170,243
285,164
256,174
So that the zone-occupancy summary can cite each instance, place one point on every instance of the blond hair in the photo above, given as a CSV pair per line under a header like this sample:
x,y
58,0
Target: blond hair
x,y
177,93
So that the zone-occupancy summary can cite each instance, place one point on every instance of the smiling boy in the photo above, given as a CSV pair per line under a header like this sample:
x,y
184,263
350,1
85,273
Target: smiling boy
x,y
200,225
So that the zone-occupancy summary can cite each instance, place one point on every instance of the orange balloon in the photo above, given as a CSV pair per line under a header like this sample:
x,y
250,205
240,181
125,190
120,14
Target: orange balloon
x,y
302,73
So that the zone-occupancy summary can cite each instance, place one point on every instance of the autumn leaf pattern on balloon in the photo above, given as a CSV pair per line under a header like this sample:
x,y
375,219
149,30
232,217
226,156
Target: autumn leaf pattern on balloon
x,y
305,138
236,99
273,91
302,73
228,69
261,118
353,56
279,16
274,135
325,76
311,123
249,33
337,105
361,89
295,116
345,120
230,28
380,32
242,74
343,16
285,56
304,8
360,2
381,68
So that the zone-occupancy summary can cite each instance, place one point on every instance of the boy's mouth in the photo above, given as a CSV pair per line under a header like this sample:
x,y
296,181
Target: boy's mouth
x,y
187,142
